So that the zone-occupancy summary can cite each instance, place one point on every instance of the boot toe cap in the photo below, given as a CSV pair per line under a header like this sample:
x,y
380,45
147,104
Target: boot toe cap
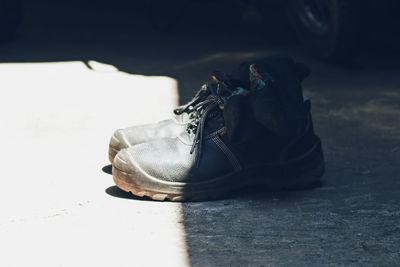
x,y
119,140
124,161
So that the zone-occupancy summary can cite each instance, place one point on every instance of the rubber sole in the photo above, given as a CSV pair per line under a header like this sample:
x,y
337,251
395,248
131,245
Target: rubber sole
x,y
142,185
143,192
306,182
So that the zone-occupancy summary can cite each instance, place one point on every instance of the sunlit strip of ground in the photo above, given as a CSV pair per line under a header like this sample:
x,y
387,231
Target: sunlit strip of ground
x,y
56,120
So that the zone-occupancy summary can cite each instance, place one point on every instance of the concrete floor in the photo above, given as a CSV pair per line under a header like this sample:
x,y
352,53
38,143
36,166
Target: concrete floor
x,y
66,87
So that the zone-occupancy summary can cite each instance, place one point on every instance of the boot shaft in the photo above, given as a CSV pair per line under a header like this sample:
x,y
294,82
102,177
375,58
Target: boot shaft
x,y
271,122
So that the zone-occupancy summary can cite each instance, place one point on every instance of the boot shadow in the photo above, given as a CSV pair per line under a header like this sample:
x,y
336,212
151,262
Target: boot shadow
x,y
114,191
107,169
255,192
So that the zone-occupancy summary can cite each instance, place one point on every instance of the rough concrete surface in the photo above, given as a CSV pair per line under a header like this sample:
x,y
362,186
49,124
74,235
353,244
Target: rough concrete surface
x,y
67,87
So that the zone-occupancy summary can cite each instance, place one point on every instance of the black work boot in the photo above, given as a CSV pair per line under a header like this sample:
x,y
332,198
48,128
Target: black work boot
x,y
257,136
124,138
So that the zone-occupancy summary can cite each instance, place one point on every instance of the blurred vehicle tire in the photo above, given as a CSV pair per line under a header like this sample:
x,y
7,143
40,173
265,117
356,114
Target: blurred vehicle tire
x,y
331,29
10,18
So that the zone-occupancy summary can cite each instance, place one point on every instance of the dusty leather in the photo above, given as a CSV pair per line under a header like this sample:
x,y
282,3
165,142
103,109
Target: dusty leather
x,y
138,134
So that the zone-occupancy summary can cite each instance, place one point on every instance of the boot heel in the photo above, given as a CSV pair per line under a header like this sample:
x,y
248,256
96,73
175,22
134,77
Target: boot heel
x,y
304,172
307,180
307,171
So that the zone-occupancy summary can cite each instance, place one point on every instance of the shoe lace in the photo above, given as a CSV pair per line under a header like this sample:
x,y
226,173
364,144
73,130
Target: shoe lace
x,y
189,107
201,112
